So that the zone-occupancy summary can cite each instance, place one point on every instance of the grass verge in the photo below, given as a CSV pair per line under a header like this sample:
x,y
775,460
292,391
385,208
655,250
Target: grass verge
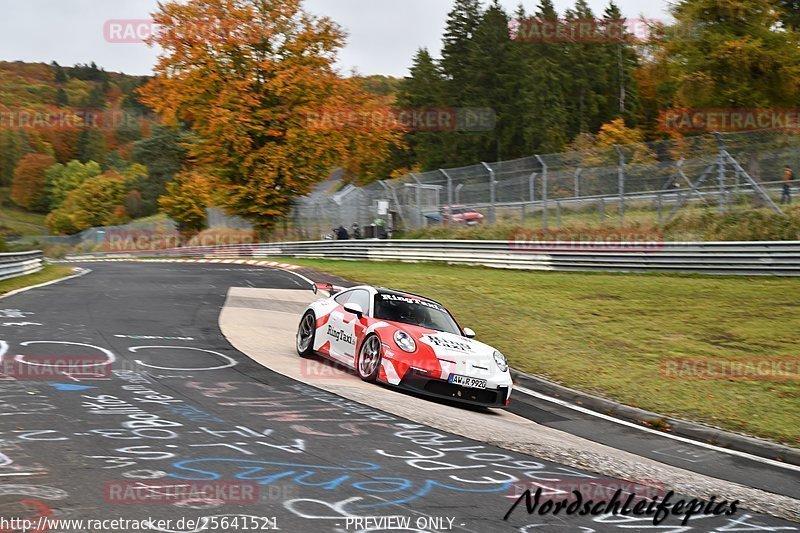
x,y
607,334
49,273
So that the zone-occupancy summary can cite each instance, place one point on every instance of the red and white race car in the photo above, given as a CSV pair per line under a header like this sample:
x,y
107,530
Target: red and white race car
x,y
407,341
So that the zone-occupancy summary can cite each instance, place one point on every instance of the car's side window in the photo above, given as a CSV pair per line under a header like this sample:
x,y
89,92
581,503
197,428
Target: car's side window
x,y
343,298
360,297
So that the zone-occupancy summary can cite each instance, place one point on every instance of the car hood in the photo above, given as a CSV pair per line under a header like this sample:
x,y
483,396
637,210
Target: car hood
x,y
456,354
449,345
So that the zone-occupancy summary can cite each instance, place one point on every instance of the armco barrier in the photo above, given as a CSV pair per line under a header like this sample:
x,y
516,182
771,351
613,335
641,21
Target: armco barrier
x,y
778,258
19,264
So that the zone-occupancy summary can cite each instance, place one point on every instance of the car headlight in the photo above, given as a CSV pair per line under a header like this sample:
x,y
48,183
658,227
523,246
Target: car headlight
x,y
404,341
500,359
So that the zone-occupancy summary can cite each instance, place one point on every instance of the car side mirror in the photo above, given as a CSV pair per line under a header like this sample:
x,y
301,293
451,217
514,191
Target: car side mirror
x,y
354,308
468,333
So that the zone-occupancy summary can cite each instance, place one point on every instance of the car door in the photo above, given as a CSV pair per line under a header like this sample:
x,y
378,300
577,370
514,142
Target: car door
x,y
343,327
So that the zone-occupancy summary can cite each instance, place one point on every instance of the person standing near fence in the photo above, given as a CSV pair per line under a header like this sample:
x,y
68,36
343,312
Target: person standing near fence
x,y
788,178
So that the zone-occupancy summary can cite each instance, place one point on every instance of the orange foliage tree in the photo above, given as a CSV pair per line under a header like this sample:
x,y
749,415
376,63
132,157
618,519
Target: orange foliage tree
x,y
186,200
246,76
28,186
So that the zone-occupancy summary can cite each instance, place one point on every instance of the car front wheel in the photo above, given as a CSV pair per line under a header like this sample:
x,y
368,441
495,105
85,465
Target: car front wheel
x,y
305,335
369,358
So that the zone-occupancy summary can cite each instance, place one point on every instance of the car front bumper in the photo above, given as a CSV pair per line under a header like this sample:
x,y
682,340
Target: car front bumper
x,y
425,384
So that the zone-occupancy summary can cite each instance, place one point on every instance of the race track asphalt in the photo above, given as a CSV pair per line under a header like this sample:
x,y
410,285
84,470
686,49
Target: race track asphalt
x,y
177,409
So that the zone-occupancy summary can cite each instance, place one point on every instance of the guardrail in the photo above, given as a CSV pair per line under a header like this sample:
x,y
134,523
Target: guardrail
x,y
20,263
778,258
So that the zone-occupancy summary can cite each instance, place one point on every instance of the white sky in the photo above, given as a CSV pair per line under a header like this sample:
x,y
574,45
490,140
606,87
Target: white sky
x,y
384,34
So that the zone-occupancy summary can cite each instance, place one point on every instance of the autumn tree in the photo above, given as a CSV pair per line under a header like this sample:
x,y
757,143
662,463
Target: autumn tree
x,y
12,148
98,201
28,186
186,200
247,88
60,180
730,55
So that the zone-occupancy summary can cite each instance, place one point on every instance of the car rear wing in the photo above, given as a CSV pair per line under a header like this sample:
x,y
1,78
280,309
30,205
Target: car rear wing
x,y
327,287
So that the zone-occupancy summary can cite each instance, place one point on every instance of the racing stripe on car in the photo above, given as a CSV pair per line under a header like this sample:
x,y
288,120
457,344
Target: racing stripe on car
x,y
390,374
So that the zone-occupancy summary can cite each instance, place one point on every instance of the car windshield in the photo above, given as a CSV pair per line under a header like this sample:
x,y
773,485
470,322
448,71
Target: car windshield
x,y
414,311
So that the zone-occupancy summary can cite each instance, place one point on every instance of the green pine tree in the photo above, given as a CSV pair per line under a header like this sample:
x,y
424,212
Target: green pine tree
x,y
462,21
491,63
423,89
621,96
587,83
61,98
91,145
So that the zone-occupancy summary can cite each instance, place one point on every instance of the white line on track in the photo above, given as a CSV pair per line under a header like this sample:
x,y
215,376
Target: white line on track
x,y
584,410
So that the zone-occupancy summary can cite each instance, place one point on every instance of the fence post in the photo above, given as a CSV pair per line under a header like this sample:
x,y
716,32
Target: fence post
x,y
544,190
449,187
621,184
602,211
558,214
577,179
660,209
720,173
318,219
418,187
532,187
491,192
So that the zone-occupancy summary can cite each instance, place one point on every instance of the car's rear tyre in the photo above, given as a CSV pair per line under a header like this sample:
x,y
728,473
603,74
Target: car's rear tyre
x,y
369,358
306,332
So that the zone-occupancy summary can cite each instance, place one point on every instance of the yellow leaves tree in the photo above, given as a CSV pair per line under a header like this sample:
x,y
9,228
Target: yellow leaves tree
x,y
98,201
245,76
186,200
594,150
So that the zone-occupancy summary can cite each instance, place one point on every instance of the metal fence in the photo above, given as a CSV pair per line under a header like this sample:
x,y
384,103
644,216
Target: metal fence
x,y
716,170
20,263
742,258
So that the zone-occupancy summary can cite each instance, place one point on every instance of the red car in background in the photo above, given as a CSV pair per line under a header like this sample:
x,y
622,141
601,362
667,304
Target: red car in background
x,y
459,215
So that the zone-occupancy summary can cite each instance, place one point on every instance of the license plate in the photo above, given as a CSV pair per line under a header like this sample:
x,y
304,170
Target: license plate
x,y
465,381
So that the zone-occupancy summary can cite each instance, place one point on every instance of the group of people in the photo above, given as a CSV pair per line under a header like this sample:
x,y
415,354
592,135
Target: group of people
x,y
342,235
